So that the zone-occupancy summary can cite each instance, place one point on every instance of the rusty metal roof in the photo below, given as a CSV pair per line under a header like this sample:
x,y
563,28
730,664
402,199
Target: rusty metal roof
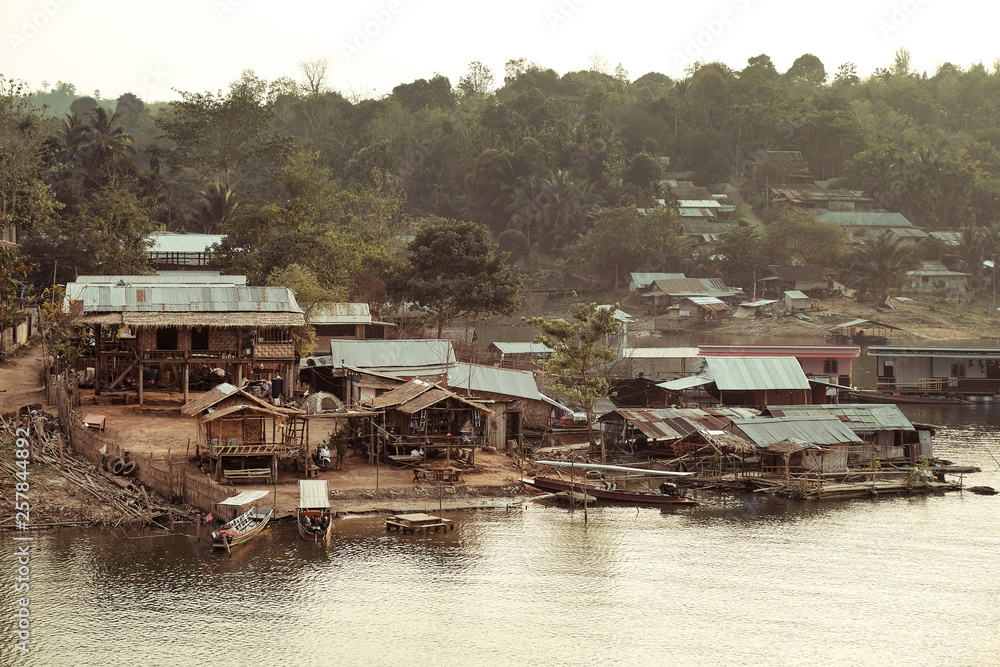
x,y
866,418
92,299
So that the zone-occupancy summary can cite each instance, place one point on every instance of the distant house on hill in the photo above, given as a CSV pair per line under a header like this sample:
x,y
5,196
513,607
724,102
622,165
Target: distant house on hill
x,y
815,281
933,276
669,292
781,167
816,197
185,252
640,281
860,225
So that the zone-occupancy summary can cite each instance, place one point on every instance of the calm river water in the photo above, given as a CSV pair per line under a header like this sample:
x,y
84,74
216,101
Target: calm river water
x,y
887,581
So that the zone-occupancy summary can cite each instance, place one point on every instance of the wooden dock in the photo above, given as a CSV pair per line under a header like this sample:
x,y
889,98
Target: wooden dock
x,y
410,523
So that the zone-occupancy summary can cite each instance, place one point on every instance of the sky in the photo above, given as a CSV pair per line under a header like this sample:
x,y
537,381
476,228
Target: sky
x,y
154,49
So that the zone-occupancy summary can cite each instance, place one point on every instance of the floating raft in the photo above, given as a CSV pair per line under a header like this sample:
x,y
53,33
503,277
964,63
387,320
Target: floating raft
x,y
410,523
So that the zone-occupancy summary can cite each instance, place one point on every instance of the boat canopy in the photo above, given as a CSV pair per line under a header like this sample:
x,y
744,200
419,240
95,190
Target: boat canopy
x,y
314,494
243,498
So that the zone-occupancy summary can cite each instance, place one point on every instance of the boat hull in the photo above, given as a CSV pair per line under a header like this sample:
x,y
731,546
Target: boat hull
x,y
242,529
313,531
900,399
591,489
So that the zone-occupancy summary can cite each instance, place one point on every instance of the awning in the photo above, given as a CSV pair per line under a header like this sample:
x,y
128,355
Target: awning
x,y
314,494
243,498
686,383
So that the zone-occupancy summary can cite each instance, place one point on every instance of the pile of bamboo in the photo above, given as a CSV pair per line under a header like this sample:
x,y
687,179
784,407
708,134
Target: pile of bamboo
x,y
118,501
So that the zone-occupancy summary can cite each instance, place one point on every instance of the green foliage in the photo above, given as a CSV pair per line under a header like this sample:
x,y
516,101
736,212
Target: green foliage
x,y
579,361
454,269
743,251
877,266
11,266
796,237
309,292
623,241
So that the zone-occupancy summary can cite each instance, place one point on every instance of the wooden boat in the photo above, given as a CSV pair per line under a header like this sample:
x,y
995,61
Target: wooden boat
x,y
243,528
312,516
606,491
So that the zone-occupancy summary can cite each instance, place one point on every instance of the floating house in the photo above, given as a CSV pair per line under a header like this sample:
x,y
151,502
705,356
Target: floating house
x,y
965,371
750,382
801,443
826,363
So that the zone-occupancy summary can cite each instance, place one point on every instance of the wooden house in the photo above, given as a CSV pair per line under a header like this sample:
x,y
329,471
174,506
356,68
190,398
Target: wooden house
x,y
512,395
423,417
935,277
352,321
247,431
815,281
751,382
827,363
518,355
860,225
148,331
181,252
802,444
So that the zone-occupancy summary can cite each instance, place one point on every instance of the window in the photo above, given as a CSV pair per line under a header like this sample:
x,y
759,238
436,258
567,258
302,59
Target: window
x,y
830,366
199,338
166,338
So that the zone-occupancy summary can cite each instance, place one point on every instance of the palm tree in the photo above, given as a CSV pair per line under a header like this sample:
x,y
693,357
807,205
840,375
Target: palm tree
x,y
105,144
878,265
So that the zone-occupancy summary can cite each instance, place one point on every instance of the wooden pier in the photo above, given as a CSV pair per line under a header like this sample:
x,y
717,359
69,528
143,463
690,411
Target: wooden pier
x,y
410,523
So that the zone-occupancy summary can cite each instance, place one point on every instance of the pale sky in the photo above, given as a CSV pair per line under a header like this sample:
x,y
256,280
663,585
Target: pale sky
x,y
151,48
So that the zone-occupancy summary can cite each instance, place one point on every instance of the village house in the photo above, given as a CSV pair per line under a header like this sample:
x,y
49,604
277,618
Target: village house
x,y
518,355
148,332
344,320
661,430
785,167
667,293
660,363
934,277
887,434
701,232
801,444
860,225
181,252
513,396
357,370
749,382
965,371
815,281
824,363
815,197
640,281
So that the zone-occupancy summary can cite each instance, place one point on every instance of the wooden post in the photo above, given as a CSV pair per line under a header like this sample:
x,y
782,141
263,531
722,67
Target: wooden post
x,y
59,438
97,360
187,378
141,382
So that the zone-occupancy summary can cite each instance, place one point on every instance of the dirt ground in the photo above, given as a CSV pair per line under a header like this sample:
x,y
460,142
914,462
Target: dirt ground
x,y
358,487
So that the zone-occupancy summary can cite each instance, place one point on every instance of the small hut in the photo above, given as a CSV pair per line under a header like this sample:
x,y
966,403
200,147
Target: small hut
x,y
234,424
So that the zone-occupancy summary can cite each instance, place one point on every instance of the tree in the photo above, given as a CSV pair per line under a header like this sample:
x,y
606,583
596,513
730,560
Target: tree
x,y
455,269
11,265
796,237
477,82
309,293
623,241
314,72
579,356
878,265
807,69
743,253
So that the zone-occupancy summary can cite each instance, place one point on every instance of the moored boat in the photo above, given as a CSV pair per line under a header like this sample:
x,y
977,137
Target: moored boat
x,y
902,399
312,516
607,491
243,528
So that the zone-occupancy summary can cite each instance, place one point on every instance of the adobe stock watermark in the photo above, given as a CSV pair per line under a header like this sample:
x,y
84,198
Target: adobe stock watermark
x,y
899,15
225,7
379,20
711,30
152,78
31,25
561,12
22,552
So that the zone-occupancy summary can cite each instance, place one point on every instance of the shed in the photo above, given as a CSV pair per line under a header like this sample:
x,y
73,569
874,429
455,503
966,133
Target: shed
x,y
796,301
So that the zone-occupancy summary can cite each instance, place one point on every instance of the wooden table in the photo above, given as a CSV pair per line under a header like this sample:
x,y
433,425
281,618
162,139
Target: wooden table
x,y
95,422
405,461
409,523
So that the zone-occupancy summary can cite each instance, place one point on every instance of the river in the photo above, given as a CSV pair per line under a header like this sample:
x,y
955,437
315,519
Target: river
x,y
741,581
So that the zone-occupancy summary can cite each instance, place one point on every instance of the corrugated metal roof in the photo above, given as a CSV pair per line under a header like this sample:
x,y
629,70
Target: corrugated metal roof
x,y
796,294
819,430
936,352
658,424
340,313
659,352
619,314
707,302
424,400
399,395
394,357
185,243
645,279
160,278
185,299
314,494
854,323
797,351
508,347
758,303
865,218
698,203
757,373
494,380
693,287
860,418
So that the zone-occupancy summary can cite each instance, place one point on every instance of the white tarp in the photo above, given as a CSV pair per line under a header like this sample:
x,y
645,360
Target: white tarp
x,y
314,494
243,498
